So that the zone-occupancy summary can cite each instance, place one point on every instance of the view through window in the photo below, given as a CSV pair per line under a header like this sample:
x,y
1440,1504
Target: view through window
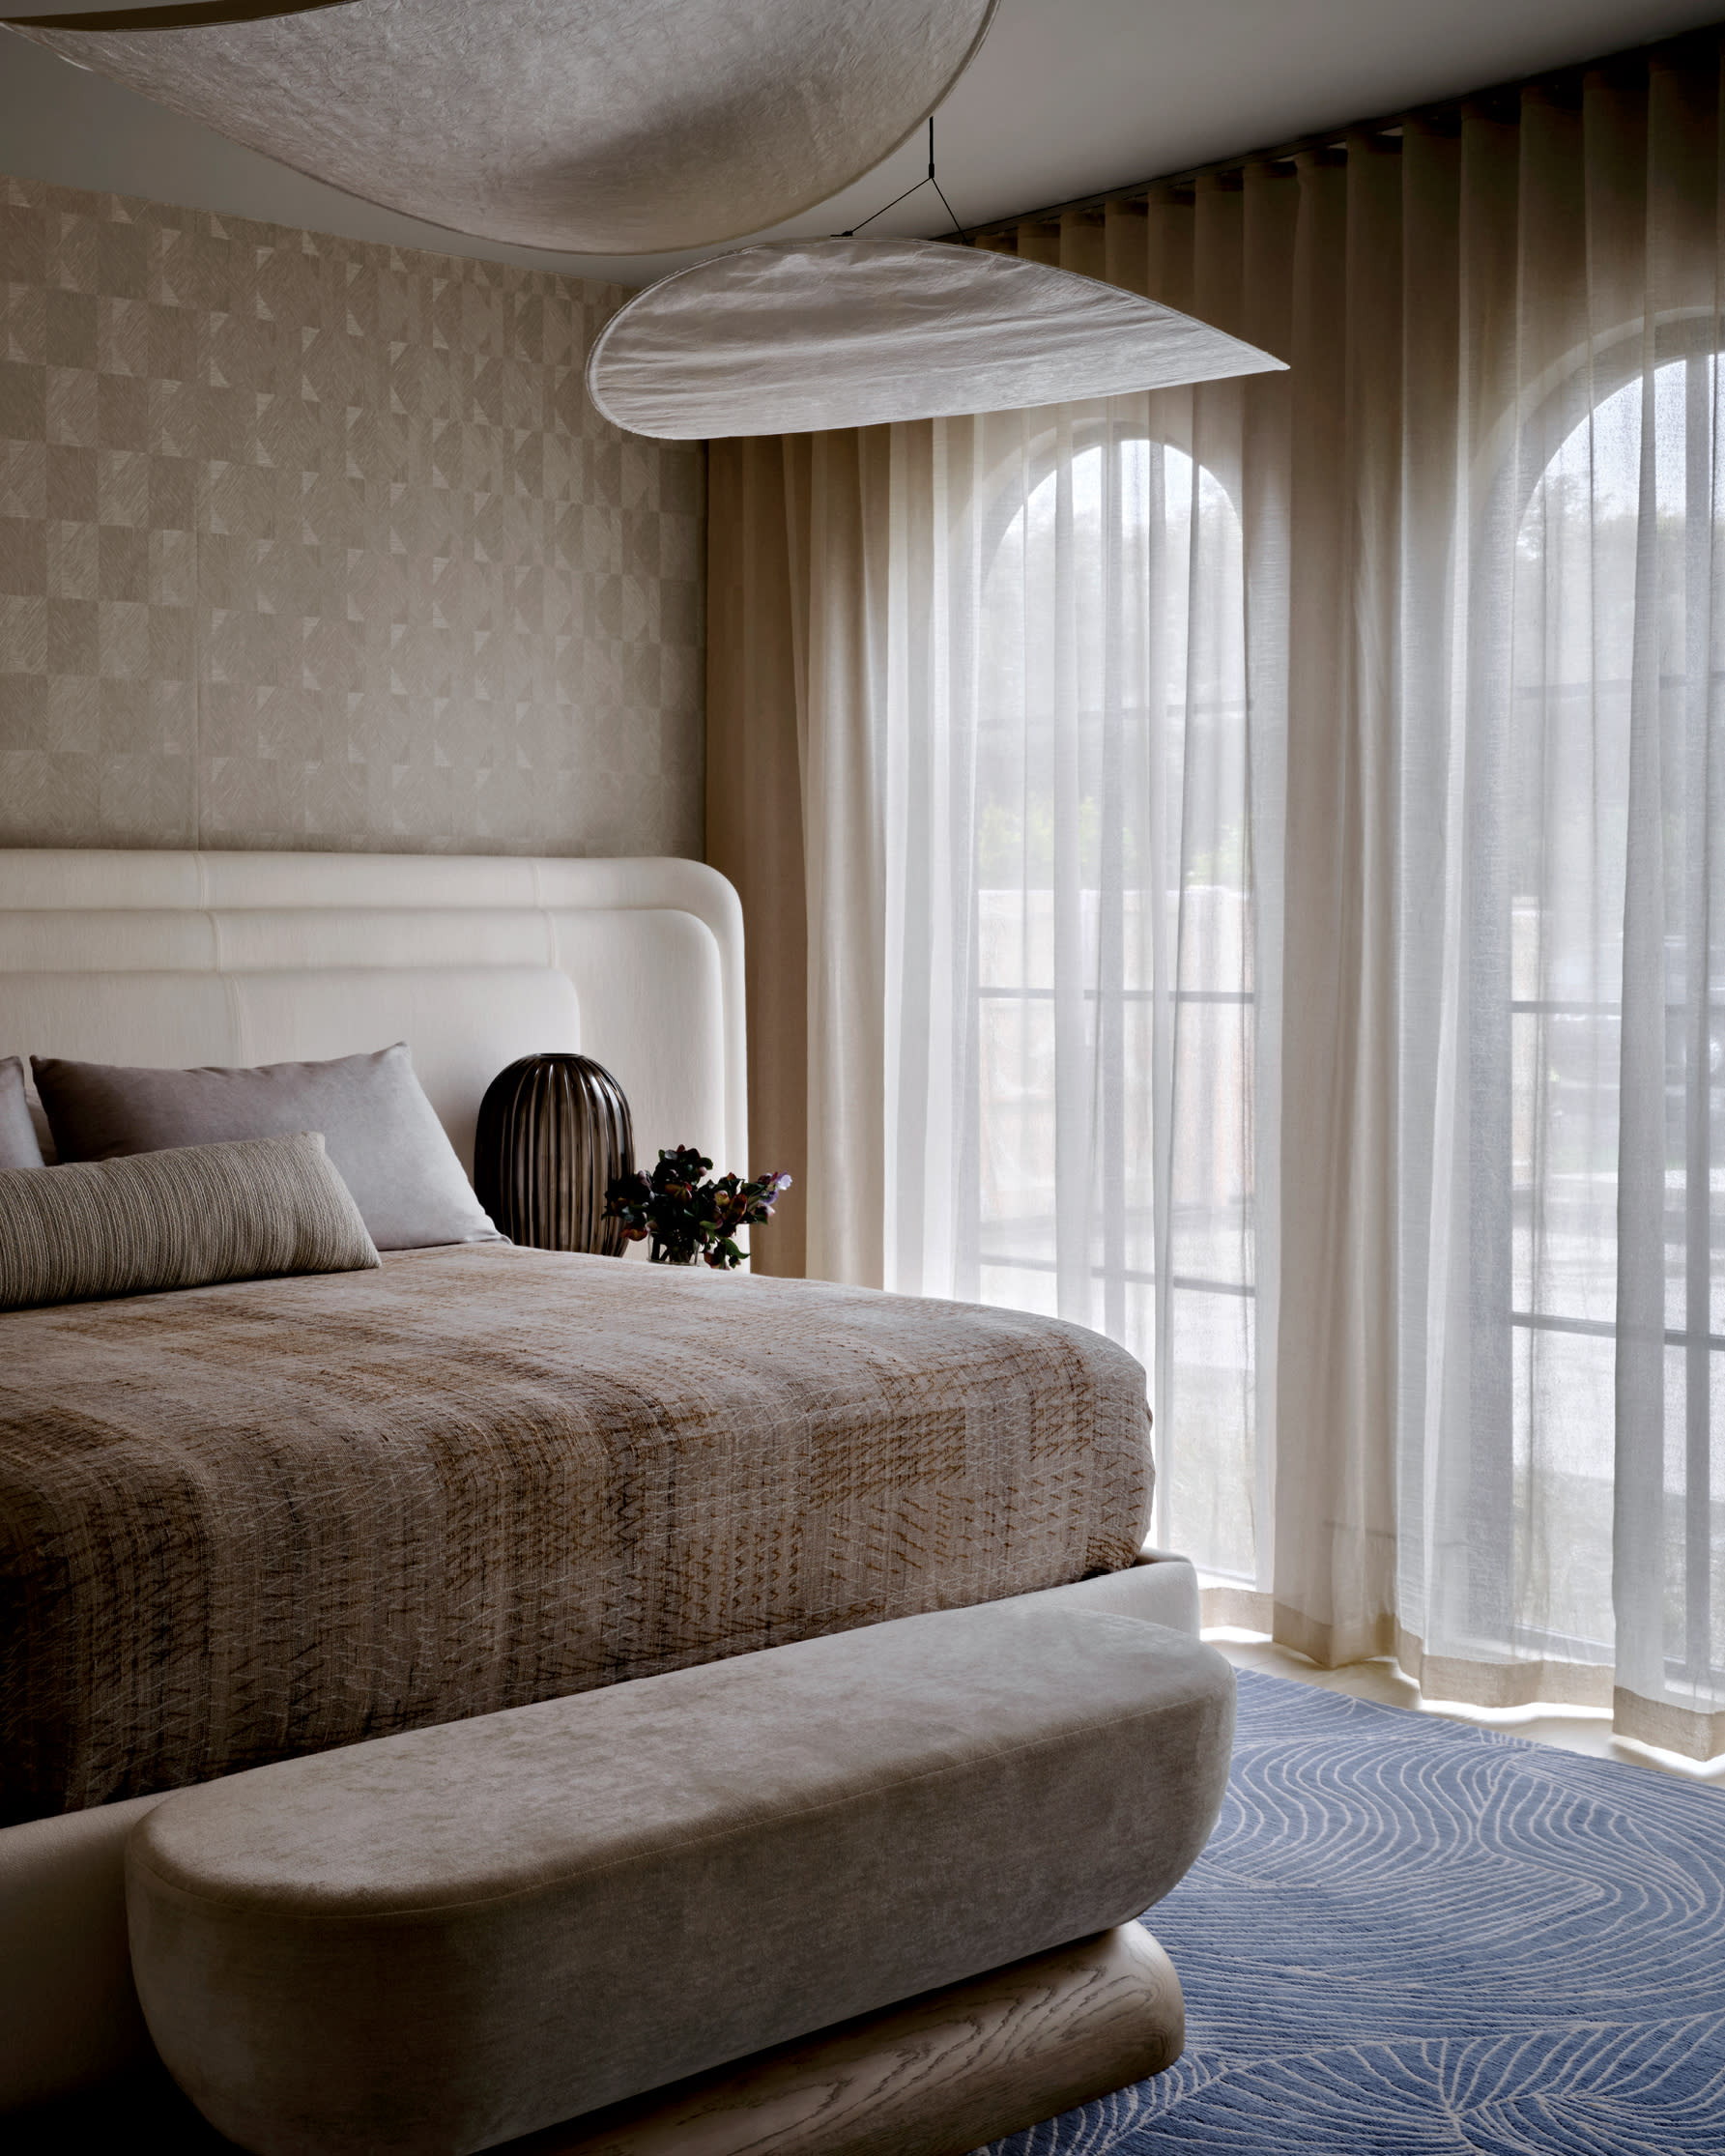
x,y
1114,965
1589,569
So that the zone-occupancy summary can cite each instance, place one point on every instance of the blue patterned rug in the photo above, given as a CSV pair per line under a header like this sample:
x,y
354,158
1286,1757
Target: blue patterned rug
x,y
1411,1938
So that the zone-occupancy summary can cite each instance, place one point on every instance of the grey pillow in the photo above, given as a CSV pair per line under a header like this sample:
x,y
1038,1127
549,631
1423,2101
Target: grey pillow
x,y
382,1133
18,1147
182,1218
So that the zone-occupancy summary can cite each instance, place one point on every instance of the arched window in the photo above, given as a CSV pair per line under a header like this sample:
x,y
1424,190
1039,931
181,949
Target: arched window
x,y
1613,751
1115,980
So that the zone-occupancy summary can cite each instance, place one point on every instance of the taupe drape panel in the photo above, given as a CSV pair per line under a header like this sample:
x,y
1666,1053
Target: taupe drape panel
x,y
754,803
797,536
1482,532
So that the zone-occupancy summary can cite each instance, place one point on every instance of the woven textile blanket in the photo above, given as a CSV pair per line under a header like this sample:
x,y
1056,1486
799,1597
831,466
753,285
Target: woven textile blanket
x,y
244,1522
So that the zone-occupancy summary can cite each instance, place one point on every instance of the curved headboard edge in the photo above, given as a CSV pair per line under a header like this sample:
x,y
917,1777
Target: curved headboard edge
x,y
39,882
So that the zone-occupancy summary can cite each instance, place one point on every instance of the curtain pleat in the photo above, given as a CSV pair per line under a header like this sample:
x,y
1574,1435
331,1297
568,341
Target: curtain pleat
x,y
1258,848
753,798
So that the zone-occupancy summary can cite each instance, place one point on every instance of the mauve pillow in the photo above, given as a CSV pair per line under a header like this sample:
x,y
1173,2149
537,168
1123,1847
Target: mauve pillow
x,y
17,1133
382,1134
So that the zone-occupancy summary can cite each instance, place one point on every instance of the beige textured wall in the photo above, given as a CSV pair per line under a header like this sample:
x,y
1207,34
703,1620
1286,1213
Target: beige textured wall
x,y
311,542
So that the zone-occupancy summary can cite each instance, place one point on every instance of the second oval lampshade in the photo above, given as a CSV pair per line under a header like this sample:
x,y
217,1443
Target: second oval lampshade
x,y
593,127
792,335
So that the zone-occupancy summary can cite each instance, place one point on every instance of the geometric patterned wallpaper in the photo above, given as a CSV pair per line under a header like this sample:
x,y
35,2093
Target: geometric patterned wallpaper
x,y
315,542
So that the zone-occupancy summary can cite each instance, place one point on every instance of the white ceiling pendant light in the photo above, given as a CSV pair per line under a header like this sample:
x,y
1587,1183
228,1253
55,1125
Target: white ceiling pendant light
x,y
590,127
794,335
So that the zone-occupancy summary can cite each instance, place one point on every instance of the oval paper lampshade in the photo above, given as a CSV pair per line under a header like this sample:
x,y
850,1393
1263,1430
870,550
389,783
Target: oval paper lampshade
x,y
797,334
593,127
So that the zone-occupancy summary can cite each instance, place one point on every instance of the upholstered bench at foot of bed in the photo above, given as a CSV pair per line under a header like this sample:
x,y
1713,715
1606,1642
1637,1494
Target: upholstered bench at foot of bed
x,y
457,1936
66,1998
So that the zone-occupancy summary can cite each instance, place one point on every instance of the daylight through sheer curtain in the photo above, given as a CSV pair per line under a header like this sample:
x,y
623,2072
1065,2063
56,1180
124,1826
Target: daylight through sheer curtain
x,y
1070,1020
1261,855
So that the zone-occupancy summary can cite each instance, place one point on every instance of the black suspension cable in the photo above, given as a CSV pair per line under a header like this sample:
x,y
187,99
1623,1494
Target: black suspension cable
x,y
927,180
883,209
940,191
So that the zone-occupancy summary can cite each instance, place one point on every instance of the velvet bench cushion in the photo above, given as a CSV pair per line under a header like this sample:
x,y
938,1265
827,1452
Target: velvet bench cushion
x,y
448,1938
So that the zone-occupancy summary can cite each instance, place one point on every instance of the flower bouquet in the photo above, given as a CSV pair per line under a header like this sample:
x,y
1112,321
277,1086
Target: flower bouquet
x,y
687,1213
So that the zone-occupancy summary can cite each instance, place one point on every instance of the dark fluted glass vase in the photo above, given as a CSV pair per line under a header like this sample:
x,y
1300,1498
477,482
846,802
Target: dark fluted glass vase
x,y
553,1132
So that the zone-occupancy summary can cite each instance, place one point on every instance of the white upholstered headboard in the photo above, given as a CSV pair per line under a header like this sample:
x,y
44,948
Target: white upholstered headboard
x,y
178,959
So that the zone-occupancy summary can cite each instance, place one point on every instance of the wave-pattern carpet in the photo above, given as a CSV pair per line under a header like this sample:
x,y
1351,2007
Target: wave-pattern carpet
x,y
1411,1937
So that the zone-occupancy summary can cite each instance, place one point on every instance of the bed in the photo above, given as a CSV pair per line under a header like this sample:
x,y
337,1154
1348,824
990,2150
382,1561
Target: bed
x,y
246,1522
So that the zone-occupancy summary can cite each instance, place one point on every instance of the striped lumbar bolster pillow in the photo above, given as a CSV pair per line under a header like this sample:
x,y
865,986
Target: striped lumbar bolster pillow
x,y
243,1211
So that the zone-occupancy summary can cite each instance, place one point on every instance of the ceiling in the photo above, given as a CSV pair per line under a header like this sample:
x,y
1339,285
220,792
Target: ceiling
x,y
1067,98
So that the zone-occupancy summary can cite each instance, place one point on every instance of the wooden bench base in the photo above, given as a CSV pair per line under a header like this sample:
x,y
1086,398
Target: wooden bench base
x,y
936,2075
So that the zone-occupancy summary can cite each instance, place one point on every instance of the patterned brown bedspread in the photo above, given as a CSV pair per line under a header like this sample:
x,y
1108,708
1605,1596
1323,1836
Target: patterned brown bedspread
x,y
244,1522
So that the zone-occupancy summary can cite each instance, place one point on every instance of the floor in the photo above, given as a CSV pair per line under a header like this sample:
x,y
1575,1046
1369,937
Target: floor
x,y
1574,1729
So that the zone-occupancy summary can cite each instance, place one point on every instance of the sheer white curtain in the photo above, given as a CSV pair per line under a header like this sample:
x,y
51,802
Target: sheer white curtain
x,y
1560,1507
1262,854
1071,959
